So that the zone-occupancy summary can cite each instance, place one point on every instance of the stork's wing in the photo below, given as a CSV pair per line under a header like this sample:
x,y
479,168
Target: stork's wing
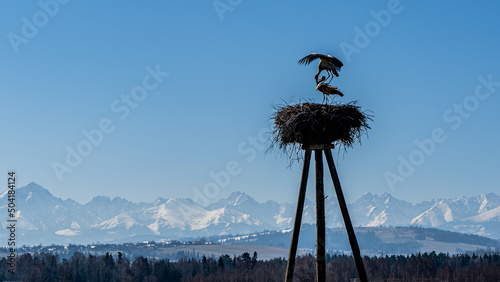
x,y
311,57
335,90
336,62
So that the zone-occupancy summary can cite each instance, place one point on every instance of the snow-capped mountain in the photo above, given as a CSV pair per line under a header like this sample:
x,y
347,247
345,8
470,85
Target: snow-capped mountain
x,y
45,219
373,210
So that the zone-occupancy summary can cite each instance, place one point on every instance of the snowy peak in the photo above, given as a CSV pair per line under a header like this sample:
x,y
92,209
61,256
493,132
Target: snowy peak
x,y
159,201
33,190
374,210
104,200
368,198
488,202
492,215
462,209
238,198
99,200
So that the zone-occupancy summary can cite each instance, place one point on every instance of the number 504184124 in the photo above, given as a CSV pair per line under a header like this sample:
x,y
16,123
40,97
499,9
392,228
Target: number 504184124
x,y
11,184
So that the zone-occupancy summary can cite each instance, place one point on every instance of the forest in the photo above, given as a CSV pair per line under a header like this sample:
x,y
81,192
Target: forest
x,y
247,267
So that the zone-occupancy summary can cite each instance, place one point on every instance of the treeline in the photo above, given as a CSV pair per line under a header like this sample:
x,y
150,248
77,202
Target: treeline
x,y
428,267
130,250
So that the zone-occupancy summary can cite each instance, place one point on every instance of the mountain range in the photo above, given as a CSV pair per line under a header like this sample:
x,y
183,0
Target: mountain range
x,y
45,219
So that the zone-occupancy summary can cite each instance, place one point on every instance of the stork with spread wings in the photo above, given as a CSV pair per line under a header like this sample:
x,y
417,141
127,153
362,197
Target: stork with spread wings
x,y
329,63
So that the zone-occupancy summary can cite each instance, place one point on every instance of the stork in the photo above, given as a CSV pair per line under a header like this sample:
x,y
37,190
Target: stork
x,y
329,63
327,89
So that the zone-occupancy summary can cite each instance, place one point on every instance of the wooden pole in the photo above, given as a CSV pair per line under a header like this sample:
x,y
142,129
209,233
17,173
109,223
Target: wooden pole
x,y
320,218
298,217
347,220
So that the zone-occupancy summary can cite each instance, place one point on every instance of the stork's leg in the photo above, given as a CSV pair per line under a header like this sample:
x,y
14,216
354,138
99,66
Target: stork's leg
x,y
328,73
329,76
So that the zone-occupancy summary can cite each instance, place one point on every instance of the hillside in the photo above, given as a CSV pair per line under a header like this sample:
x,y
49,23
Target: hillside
x,y
374,240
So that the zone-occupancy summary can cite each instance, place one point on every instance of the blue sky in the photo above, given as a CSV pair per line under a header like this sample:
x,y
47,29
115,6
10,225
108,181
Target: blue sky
x,y
72,66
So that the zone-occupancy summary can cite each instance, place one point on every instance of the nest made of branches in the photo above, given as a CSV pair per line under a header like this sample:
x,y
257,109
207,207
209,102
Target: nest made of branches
x,y
318,124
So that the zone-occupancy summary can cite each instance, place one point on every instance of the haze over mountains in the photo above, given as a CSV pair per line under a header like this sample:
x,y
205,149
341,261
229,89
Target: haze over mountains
x,y
45,219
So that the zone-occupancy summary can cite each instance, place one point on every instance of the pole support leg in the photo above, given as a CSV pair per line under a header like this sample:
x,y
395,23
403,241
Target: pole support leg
x,y
298,217
347,220
320,218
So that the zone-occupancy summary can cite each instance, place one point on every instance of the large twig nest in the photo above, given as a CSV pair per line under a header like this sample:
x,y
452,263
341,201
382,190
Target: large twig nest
x,y
318,124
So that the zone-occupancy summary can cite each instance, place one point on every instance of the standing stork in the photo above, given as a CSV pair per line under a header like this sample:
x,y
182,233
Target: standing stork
x,y
329,63
327,89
